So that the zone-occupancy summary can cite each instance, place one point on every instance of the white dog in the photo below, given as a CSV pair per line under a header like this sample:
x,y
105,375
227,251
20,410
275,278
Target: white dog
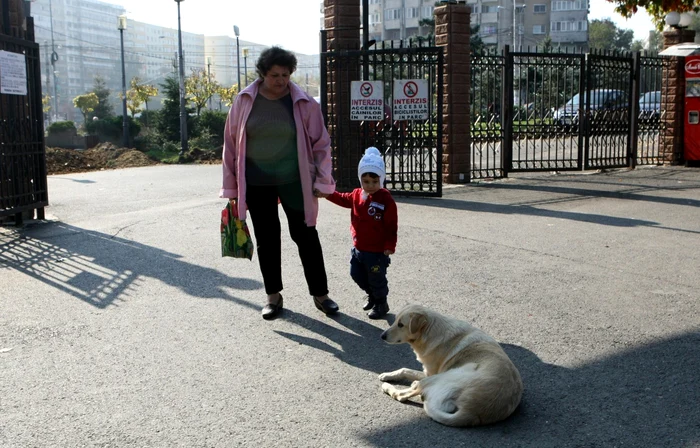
x,y
467,378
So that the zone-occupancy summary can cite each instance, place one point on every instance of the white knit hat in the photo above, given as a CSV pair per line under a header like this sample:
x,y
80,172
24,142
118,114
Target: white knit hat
x,y
372,162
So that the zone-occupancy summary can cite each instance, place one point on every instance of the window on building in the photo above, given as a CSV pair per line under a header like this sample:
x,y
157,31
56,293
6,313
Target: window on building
x,y
392,14
375,19
489,30
411,13
540,9
485,9
427,12
574,26
539,29
571,5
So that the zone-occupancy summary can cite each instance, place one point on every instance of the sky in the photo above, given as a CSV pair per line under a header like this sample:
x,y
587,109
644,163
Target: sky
x,y
293,24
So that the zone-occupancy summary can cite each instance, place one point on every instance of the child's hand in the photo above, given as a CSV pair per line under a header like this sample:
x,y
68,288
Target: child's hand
x,y
388,252
318,194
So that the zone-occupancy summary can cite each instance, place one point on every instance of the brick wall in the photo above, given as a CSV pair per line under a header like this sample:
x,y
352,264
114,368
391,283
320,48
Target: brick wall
x,y
452,32
673,98
342,24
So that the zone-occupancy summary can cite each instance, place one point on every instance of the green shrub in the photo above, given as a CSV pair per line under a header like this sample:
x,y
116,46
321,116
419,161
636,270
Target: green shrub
x,y
205,141
212,122
147,140
61,126
110,129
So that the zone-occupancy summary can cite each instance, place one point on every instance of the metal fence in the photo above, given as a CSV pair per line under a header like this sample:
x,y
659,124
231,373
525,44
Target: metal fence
x,y
23,186
412,148
540,110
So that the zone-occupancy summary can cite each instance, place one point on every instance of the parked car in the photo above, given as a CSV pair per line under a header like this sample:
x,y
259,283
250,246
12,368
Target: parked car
x,y
650,105
601,100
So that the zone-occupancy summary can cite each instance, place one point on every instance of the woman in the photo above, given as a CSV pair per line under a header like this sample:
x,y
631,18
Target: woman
x,y
277,149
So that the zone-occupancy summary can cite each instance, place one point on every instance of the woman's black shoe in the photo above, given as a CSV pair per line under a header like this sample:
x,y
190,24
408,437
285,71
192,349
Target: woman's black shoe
x,y
327,306
271,310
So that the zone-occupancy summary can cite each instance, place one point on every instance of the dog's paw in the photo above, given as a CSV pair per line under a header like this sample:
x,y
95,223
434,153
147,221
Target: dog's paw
x,y
386,376
387,388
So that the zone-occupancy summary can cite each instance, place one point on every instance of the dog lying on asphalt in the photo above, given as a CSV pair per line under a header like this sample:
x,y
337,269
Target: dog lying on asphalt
x,y
467,378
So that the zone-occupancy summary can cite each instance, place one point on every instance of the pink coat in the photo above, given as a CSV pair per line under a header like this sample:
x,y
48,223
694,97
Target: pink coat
x,y
313,148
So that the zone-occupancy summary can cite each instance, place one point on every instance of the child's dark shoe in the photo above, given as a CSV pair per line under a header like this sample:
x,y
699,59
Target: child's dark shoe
x,y
369,303
379,310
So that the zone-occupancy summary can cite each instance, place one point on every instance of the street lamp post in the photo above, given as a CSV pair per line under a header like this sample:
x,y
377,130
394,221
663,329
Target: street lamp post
x,y
54,59
245,66
209,75
121,26
237,32
183,111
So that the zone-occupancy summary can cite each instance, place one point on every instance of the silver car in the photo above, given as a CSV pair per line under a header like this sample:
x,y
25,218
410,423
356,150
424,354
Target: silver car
x,y
601,100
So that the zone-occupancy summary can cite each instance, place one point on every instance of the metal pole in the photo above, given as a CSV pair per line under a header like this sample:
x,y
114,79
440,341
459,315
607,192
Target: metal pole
x,y
245,66
183,111
54,58
48,75
209,76
515,48
238,64
125,118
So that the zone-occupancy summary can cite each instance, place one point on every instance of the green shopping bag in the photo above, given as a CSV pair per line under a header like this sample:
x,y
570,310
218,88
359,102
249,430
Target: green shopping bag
x,y
235,236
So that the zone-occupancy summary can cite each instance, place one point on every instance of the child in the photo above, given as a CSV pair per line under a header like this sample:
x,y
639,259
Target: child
x,y
373,224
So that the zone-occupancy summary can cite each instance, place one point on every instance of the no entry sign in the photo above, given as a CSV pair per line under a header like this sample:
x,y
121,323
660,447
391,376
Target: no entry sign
x,y
367,101
410,99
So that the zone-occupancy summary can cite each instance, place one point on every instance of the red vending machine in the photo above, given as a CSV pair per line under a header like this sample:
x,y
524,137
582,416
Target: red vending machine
x,y
691,131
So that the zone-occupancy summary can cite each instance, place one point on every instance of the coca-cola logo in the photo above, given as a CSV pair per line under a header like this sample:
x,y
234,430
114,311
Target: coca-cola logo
x,y
693,67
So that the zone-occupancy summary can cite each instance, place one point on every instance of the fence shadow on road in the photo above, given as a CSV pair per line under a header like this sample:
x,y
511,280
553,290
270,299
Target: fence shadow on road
x,y
359,345
643,396
102,269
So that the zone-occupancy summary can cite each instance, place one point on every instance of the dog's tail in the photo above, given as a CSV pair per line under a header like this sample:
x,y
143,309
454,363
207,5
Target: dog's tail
x,y
480,403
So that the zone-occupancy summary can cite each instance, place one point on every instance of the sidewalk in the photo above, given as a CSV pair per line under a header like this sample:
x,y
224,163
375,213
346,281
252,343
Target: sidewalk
x,y
121,325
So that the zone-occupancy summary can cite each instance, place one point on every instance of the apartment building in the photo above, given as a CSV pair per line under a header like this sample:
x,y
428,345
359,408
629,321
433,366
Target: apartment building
x,y
82,39
523,24
517,23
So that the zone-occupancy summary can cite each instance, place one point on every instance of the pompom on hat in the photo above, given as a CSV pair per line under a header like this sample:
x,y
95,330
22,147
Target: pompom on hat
x,y
372,162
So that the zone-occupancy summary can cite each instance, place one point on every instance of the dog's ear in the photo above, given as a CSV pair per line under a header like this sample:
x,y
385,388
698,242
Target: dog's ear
x,y
417,323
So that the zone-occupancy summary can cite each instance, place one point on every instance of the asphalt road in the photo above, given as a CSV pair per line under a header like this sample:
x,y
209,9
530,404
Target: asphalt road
x,y
121,325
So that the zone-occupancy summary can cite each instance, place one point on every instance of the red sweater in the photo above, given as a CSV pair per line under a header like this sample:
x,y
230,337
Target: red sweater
x,y
373,222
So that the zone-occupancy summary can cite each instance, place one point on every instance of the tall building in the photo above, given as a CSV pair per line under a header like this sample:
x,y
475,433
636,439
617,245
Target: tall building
x,y
81,38
518,23
523,24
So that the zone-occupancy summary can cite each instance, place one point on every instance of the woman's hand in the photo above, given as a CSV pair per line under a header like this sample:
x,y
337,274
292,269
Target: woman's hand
x,y
318,194
388,252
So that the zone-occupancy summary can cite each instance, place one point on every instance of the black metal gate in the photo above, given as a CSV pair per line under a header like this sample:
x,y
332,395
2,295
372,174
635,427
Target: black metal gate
x,y
548,110
412,149
22,155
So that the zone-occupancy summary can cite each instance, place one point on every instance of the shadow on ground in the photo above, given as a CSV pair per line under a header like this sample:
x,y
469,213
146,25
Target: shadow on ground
x,y
644,397
101,269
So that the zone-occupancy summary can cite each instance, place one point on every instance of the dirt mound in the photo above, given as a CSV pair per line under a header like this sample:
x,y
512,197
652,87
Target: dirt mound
x,y
103,156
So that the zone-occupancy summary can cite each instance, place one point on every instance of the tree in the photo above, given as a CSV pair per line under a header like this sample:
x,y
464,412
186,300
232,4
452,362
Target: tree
x,y
104,108
605,35
228,94
143,92
637,45
168,123
86,103
657,9
133,102
46,103
200,87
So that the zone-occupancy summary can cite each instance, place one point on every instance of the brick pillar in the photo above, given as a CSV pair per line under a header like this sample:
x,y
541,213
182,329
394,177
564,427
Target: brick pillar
x,y
452,32
673,98
342,24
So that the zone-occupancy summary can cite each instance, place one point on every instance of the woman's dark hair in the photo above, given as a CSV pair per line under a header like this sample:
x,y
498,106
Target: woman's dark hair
x,y
275,56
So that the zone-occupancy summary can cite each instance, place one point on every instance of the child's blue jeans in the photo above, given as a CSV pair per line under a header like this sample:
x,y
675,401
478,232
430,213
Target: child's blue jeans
x,y
368,270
